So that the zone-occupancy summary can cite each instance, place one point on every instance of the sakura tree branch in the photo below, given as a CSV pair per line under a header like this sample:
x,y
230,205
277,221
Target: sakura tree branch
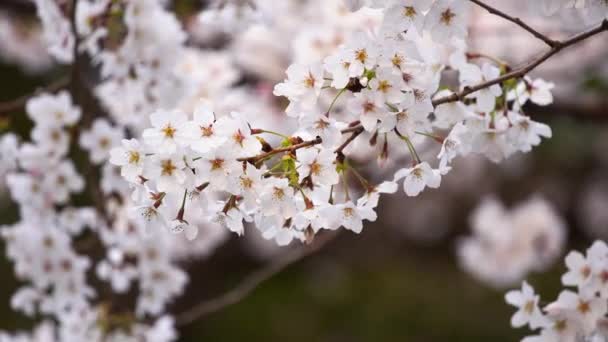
x,y
247,286
291,148
19,6
518,22
354,126
19,103
522,71
355,133
83,97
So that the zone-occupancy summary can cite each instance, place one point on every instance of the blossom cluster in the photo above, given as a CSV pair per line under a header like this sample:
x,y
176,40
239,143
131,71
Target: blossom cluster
x,y
579,313
387,80
44,245
507,244
593,10
190,140
213,166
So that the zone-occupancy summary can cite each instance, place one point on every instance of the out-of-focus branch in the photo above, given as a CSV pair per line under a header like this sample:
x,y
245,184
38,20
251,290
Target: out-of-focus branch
x,y
517,21
581,110
19,103
250,283
520,72
18,6
83,97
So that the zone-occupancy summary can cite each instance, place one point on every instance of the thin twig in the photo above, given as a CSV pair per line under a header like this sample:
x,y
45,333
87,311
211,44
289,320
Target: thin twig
x,y
250,283
520,72
19,103
291,148
354,126
350,139
517,21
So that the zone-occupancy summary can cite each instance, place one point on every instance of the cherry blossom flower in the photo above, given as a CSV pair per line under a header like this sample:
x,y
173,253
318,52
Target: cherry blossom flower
x,y
319,165
168,129
302,87
130,157
417,178
100,140
447,18
471,74
369,106
53,110
528,311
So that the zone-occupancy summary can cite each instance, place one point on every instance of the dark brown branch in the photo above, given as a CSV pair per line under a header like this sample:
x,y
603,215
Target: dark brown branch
x,y
19,6
90,108
517,21
520,72
355,133
291,148
354,126
19,103
250,283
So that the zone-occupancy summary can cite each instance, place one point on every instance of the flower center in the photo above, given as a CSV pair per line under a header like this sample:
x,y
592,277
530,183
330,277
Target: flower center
x,y
384,86
238,137
320,124
403,115
246,182
417,173
278,193
206,131
368,107
133,157
361,55
167,167
169,131
585,271
309,81
217,164
315,168
447,16
348,212
419,94
529,307
55,136
409,11
104,143
583,307
397,60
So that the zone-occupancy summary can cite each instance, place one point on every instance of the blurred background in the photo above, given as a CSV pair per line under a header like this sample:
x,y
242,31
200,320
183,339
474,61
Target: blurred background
x,y
401,278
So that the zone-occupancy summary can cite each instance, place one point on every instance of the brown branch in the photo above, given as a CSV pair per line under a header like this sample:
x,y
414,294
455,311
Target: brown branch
x,y
353,126
251,282
359,129
19,103
292,148
520,72
552,43
19,6
85,99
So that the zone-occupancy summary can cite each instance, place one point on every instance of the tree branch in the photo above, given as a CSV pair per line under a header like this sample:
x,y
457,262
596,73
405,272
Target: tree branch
x,y
520,72
291,148
85,99
19,103
250,283
517,21
355,133
19,6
